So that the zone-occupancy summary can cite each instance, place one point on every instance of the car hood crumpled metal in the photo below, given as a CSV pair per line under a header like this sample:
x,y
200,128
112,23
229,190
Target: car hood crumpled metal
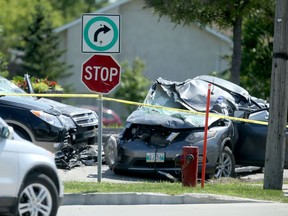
x,y
189,95
148,116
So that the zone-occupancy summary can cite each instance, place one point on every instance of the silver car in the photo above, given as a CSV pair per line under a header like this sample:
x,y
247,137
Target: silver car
x,y
29,183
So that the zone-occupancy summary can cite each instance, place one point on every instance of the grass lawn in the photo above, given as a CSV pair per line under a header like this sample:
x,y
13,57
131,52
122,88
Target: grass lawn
x,y
230,187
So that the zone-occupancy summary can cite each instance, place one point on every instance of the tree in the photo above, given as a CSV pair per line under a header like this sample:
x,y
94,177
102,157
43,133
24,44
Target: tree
x,y
3,62
257,46
72,9
41,48
3,66
133,86
276,139
15,15
223,13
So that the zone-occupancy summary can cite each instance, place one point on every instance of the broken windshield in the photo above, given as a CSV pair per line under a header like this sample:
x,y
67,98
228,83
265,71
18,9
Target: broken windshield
x,y
165,116
160,97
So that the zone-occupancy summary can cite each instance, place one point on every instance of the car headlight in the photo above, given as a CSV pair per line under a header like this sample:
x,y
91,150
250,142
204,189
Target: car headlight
x,y
199,136
68,121
50,119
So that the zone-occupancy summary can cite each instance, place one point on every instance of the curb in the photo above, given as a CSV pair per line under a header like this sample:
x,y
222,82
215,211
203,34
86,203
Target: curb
x,y
149,198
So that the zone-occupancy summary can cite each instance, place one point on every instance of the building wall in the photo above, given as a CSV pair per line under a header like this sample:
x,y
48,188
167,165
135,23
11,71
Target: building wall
x,y
169,51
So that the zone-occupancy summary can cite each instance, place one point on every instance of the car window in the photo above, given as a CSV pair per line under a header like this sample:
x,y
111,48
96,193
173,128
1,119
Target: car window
x,y
262,115
108,116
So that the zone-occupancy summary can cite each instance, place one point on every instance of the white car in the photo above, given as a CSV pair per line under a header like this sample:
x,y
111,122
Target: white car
x,y
29,183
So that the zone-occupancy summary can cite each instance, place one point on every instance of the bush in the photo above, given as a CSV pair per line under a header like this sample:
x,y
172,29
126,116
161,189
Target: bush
x,y
39,85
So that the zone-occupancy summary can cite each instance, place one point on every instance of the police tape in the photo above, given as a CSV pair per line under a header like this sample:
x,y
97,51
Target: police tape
x,y
100,96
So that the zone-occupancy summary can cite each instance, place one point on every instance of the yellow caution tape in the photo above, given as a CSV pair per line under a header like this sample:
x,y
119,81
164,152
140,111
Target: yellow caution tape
x,y
99,96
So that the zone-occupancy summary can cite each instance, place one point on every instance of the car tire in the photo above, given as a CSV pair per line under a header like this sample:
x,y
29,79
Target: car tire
x,y
110,151
38,195
225,164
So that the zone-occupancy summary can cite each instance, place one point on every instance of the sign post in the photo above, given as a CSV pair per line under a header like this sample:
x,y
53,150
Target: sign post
x,y
100,115
100,74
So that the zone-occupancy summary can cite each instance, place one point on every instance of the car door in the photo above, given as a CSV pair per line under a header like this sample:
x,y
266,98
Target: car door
x,y
8,168
251,145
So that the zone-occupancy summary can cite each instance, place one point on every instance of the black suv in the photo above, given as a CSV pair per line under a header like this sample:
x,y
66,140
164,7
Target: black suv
x,y
47,123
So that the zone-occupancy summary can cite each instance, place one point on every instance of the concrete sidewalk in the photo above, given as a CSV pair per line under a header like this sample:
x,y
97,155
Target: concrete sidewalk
x,y
89,174
285,190
149,198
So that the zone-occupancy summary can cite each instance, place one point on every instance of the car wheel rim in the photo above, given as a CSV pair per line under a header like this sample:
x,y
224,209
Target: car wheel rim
x,y
224,167
35,200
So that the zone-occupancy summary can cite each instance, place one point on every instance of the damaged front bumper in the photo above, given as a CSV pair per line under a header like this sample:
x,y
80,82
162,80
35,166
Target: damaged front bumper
x,y
123,159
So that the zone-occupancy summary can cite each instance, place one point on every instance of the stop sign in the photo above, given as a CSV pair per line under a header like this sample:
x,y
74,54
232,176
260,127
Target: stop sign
x,y
101,73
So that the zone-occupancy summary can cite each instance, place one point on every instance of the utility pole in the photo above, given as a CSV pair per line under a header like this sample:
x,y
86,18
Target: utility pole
x,y
275,146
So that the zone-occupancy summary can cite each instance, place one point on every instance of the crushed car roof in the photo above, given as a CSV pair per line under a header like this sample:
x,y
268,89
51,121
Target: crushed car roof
x,y
188,95
193,92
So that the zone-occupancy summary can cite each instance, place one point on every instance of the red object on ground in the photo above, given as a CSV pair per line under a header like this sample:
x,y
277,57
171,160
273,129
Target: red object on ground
x,y
189,165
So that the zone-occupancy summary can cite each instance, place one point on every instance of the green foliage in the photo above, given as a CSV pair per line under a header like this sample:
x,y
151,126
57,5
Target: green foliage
x,y
222,13
14,17
39,85
41,53
257,52
15,14
3,66
209,12
134,85
14,33
73,9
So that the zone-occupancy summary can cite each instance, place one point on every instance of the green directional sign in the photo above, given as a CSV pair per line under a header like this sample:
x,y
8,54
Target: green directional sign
x,y
100,33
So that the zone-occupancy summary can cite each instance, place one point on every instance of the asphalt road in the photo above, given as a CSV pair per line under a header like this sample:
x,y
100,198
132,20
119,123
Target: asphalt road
x,y
89,173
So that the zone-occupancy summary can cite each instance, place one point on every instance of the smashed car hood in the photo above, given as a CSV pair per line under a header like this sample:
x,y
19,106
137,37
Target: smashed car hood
x,y
188,95
168,119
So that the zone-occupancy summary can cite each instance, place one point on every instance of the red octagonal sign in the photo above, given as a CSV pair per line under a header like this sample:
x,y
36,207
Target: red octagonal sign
x,y
101,73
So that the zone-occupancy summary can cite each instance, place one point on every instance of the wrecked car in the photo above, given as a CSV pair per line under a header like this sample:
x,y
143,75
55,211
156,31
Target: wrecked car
x,y
45,122
154,135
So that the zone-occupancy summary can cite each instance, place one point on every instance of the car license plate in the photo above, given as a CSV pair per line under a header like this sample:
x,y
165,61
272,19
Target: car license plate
x,y
158,157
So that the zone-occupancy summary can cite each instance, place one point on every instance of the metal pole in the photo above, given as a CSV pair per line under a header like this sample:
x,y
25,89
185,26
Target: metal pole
x,y
100,115
205,136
